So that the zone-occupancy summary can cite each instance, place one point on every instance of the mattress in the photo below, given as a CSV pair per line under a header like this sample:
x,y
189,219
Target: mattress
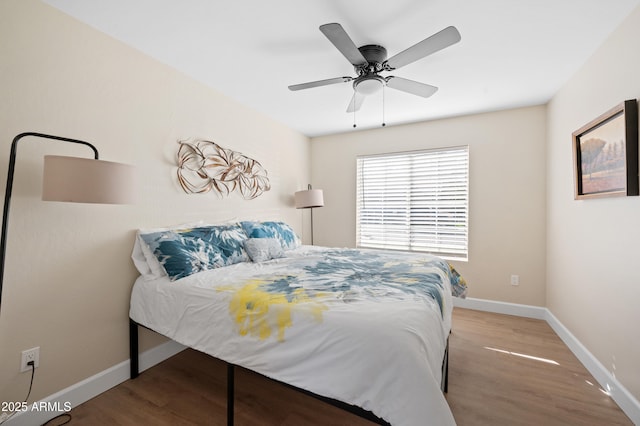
x,y
365,327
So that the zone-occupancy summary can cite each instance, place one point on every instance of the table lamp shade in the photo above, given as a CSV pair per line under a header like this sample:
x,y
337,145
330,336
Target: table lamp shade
x,y
84,180
309,198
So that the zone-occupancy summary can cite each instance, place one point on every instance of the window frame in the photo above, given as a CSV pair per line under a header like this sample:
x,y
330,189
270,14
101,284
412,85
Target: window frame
x,y
412,226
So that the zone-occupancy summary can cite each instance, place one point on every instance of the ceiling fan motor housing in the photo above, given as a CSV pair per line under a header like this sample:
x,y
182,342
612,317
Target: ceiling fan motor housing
x,y
375,56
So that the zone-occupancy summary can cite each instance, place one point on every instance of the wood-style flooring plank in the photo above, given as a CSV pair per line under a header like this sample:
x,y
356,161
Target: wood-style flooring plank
x,y
504,370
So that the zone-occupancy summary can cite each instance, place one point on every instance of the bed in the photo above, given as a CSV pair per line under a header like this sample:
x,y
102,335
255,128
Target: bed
x,y
365,328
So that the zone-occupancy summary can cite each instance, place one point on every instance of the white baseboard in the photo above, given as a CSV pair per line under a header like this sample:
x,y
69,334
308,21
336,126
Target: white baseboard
x,y
105,380
91,387
627,402
505,308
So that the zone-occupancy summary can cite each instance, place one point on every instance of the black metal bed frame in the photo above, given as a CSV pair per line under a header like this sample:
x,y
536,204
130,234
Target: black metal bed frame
x,y
135,372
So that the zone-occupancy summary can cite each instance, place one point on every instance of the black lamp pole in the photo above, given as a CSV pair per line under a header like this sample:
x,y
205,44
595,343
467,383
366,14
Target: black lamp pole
x,y
7,194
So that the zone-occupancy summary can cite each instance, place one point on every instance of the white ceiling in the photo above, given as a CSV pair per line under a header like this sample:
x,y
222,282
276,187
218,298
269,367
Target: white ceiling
x,y
512,53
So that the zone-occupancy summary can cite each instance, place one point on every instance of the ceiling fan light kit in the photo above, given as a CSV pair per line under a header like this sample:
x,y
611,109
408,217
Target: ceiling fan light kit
x,y
368,85
371,59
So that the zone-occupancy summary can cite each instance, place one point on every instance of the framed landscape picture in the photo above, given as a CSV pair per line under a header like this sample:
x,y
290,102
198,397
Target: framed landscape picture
x,y
605,153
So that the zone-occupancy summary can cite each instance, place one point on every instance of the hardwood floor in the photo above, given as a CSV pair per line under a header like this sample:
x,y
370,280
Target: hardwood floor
x,y
507,370
504,370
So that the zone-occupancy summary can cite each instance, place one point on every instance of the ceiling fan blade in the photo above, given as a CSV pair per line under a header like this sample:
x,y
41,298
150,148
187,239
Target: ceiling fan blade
x,y
426,47
341,40
356,102
319,83
411,86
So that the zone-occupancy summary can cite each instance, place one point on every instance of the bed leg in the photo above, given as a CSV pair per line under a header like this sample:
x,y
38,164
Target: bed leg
x,y
445,369
133,348
230,393
446,375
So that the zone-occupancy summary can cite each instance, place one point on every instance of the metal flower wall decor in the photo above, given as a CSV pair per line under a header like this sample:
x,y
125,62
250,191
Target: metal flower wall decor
x,y
205,166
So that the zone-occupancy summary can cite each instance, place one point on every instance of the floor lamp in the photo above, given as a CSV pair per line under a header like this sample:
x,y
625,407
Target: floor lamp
x,y
309,199
71,179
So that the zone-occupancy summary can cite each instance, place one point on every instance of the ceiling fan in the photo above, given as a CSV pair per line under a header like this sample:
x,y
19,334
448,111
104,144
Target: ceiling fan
x,y
370,60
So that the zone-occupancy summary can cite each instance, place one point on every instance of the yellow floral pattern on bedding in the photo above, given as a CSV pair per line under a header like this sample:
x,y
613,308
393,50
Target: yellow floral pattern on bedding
x,y
260,313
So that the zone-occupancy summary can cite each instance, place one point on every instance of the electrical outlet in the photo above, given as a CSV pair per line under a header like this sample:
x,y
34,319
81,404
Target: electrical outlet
x,y
515,279
29,355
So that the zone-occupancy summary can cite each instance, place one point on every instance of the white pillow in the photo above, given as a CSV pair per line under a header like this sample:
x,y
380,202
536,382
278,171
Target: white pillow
x,y
138,257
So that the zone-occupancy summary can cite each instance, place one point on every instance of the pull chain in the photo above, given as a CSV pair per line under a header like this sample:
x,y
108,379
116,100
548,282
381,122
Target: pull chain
x,y
354,108
383,90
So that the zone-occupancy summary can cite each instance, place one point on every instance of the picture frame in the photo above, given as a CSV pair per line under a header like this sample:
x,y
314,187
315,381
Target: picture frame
x,y
605,154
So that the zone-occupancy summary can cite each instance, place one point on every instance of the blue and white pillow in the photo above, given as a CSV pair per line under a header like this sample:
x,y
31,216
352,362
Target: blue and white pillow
x,y
144,259
278,230
185,252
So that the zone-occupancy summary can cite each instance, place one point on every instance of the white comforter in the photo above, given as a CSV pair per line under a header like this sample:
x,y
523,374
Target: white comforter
x,y
365,327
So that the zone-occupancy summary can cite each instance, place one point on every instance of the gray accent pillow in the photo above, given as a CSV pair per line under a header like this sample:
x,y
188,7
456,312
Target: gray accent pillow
x,y
263,249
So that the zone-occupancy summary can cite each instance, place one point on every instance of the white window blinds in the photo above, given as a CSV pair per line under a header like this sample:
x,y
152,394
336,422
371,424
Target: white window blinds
x,y
415,201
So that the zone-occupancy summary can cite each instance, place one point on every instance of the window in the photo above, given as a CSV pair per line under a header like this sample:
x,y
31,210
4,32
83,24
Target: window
x,y
415,201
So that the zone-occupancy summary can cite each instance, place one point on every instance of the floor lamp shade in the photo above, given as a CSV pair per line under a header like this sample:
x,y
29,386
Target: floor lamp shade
x,y
309,198
85,180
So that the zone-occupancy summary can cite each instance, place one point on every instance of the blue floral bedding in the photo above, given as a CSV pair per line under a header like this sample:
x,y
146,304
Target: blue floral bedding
x,y
352,275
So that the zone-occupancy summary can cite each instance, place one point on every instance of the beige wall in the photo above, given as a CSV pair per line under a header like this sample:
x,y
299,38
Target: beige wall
x,y
506,200
69,272
593,281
